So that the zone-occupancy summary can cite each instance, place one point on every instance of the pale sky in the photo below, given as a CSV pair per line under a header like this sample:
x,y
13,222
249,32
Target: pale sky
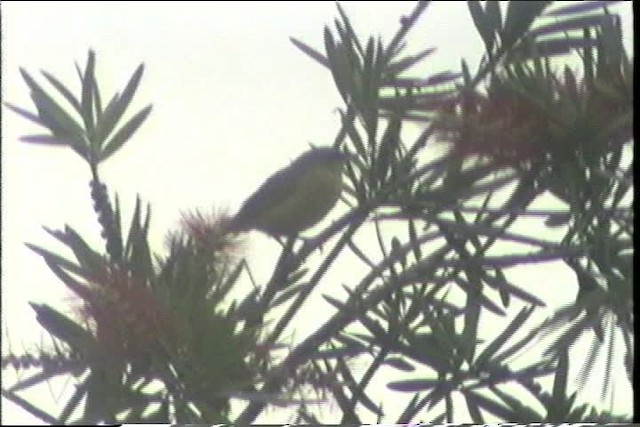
x,y
233,101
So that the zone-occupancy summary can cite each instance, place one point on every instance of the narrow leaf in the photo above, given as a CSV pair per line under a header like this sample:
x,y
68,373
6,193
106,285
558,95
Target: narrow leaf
x,y
568,25
581,7
406,63
413,385
26,114
108,120
125,133
66,93
88,82
491,349
62,327
482,24
560,381
28,407
400,364
90,260
44,140
56,259
488,405
120,104
310,51
55,117
520,16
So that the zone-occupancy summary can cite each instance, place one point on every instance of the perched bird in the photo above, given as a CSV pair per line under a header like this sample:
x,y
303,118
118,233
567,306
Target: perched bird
x,y
296,197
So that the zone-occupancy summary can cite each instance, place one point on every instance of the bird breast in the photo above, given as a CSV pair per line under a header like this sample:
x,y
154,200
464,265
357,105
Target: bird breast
x,y
312,198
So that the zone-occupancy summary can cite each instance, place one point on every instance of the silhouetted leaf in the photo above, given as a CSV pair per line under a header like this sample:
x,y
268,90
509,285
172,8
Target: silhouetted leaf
x,y
580,7
66,93
402,65
413,385
568,25
116,108
559,219
44,140
87,102
520,16
483,25
310,51
400,364
488,405
125,132
517,322
63,328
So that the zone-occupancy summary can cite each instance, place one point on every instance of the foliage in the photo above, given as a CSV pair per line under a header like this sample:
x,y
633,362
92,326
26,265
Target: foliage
x,y
149,325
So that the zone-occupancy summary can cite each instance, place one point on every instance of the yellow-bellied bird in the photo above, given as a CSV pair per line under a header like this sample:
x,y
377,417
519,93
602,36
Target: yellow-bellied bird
x,y
296,197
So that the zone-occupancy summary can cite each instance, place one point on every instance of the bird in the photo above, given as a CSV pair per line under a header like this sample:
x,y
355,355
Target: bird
x,y
296,197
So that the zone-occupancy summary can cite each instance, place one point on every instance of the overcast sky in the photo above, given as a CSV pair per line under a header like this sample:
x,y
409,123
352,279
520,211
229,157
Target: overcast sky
x,y
233,101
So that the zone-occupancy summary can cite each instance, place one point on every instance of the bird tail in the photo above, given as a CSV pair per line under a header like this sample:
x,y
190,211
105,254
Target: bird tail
x,y
232,225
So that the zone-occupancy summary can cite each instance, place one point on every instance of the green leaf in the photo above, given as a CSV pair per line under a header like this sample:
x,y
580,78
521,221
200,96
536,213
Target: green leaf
x,y
580,7
413,238
405,25
559,219
520,411
66,93
26,114
488,405
506,286
337,61
482,24
38,378
78,288
28,407
73,403
118,105
413,386
520,16
466,75
560,381
399,363
474,411
56,119
125,133
348,33
114,236
136,248
568,25
388,146
334,302
97,104
91,261
56,259
230,280
107,121
88,83
552,47
310,51
44,140
134,228
493,15
352,132
491,349
287,294
63,328
334,353
294,276
402,65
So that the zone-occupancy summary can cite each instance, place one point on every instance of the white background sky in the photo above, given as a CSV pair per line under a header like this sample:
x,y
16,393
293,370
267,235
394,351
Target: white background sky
x,y
233,100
